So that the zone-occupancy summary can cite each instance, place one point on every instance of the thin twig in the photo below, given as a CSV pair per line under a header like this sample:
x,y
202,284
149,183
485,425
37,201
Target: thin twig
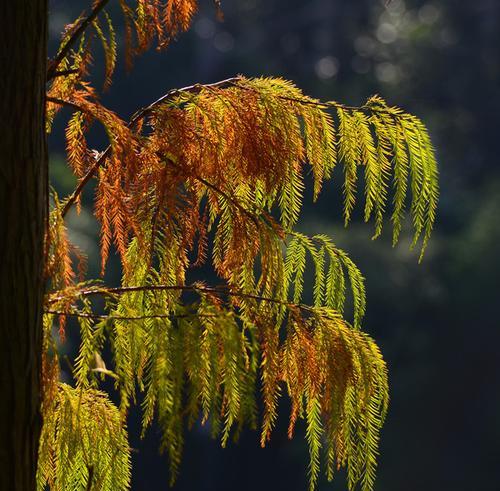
x,y
85,179
54,65
63,73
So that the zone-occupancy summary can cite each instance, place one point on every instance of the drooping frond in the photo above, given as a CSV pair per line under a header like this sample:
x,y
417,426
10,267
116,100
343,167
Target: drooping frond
x,y
334,374
264,131
76,143
59,264
83,443
146,22
215,174
75,66
235,153
156,20
404,138
109,46
332,268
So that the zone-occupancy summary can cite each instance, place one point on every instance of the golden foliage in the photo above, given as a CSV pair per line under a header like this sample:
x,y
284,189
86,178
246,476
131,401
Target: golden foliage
x,y
226,162
213,350
214,175
83,444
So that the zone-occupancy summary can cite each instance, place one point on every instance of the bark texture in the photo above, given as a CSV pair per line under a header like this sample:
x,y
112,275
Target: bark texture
x,y
23,198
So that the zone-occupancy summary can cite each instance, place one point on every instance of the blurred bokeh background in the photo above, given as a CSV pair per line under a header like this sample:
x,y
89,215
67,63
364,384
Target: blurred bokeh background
x,y
437,322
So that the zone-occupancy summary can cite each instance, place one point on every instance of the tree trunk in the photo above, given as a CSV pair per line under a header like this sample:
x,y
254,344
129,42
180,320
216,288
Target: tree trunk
x,y
23,198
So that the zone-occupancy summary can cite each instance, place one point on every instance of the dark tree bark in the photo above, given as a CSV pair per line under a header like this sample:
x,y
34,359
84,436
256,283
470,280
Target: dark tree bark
x,y
23,195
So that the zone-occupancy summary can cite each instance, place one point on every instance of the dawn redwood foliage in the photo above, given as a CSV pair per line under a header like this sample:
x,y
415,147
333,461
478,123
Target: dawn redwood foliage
x,y
214,174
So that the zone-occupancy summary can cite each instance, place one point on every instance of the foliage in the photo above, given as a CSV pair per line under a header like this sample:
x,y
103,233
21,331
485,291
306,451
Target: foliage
x,y
214,175
83,443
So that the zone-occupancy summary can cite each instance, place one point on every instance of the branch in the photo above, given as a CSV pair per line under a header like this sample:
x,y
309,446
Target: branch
x,y
63,102
193,288
86,315
190,89
312,102
85,179
54,65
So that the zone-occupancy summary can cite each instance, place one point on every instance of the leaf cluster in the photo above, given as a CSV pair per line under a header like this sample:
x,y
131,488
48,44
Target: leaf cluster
x,y
213,175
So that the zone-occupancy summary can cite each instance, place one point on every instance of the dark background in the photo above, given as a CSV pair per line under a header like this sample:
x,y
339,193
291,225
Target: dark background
x,y
437,323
